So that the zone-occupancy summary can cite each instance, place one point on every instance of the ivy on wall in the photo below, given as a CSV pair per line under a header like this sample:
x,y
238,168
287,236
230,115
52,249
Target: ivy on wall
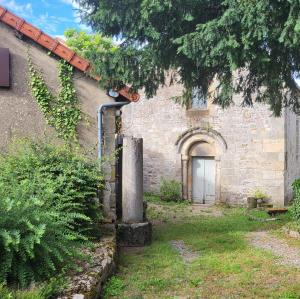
x,y
62,111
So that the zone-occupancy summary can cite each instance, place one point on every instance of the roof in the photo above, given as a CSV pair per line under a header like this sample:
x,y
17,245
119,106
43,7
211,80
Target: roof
x,y
55,46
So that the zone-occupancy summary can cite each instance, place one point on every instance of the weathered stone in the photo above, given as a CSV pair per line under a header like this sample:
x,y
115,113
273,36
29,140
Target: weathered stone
x,y
262,150
88,283
294,234
132,186
135,235
273,145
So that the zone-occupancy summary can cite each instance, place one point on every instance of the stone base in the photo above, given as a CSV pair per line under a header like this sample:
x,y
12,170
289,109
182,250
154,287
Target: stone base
x,y
134,235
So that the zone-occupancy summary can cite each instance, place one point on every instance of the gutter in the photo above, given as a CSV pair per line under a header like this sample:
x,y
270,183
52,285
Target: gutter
x,y
100,126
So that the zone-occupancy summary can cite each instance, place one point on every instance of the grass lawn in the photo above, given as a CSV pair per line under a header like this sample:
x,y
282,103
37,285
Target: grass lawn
x,y
227,266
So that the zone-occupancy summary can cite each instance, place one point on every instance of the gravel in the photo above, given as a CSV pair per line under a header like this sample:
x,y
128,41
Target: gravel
x,y
288,255
185,252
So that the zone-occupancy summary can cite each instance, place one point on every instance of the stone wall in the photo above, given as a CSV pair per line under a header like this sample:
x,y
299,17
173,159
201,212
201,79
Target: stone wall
x,y
292,148
254,157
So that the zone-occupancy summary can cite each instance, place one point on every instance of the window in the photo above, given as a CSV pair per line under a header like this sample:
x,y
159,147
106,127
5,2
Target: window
x,y
199,101
4,67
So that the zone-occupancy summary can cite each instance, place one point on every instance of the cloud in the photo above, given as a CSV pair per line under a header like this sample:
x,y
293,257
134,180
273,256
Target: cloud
x,y
23,10
44,22
70,2
77,17
62,37
51,23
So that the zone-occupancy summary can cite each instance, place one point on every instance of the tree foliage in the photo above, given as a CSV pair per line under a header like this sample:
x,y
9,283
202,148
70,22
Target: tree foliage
x,y
249,46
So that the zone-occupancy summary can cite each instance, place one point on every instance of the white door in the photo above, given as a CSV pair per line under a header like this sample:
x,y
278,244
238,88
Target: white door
x,y
203,181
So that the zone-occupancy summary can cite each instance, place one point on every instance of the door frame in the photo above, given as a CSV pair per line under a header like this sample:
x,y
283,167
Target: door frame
x,y
187,173
184,144
192,175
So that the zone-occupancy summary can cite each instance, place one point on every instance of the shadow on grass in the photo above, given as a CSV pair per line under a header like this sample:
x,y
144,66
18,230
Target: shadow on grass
x,y
218,234
158,271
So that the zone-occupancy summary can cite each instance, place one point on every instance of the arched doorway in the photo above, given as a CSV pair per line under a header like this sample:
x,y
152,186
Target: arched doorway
x,y
201,151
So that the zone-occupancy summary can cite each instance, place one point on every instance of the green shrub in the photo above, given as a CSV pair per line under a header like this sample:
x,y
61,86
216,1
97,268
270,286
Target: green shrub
x,y
54,287
70,176
170,190
295,209
37,238
47,203
258,194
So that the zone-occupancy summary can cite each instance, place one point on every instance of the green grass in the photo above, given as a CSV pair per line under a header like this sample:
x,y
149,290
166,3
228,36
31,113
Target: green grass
x,y
227,266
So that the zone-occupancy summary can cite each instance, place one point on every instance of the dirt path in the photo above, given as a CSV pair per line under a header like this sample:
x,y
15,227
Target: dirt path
x,y
185,252
288,255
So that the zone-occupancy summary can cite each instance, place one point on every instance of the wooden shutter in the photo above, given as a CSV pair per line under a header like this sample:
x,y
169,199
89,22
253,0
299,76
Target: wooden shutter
x,y
4,67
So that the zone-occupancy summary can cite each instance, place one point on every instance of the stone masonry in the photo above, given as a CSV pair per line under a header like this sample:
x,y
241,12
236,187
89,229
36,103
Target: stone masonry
x,y
261,149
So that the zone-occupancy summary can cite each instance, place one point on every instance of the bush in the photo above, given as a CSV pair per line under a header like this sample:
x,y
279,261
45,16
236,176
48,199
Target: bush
x,y
47,201
70,176
37,237
296,204
170,190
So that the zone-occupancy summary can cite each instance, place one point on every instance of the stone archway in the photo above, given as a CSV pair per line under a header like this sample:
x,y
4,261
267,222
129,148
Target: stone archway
x,y
203,143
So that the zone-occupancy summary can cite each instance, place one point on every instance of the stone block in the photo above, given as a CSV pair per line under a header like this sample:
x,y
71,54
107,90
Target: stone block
x,y
273,145
134,235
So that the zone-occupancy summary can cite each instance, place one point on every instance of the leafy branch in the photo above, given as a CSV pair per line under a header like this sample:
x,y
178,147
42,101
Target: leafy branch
x,y
62,111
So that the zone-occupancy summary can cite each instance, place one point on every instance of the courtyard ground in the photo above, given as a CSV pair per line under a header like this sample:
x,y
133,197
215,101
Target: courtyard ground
x,y
209,252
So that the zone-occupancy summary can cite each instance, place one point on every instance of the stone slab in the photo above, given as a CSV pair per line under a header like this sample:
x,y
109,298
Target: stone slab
x,y
134,235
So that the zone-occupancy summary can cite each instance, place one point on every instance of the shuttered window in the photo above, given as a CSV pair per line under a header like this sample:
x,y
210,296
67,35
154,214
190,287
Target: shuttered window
x,y
4,67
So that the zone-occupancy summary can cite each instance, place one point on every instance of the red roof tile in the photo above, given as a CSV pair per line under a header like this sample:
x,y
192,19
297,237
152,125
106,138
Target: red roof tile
x,y
55,46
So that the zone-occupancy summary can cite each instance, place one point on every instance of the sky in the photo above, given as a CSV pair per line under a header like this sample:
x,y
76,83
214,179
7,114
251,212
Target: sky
x,y
52,16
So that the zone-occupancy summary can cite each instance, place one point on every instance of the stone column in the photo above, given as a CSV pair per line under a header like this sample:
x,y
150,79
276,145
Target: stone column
x,y
135,230
132,187
184,170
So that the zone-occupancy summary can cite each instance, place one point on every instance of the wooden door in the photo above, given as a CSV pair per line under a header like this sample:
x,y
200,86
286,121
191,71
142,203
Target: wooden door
x,y
203,180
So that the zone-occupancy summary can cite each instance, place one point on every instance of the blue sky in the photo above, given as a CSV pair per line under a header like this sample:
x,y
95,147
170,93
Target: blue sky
x,y
52,16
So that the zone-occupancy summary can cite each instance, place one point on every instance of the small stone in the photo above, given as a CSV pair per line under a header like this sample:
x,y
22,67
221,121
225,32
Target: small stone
x,y
294,234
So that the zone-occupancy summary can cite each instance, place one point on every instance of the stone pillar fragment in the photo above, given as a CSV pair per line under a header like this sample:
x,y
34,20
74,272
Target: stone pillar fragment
x,y
132,187
135,229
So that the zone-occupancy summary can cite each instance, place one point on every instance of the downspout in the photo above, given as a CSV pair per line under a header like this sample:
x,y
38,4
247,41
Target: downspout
x,y
100,127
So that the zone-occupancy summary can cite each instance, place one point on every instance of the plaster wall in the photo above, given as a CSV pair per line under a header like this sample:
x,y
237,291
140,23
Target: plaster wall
x,y
20,115
19,112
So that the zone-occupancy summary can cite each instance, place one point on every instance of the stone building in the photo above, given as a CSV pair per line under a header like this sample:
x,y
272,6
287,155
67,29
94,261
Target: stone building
x,y
20,115
218,155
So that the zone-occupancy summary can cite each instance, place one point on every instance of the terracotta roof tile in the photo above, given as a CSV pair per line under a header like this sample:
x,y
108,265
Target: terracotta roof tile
x,y
55,46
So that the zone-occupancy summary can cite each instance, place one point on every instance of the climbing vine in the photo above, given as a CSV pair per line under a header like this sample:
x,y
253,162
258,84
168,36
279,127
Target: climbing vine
x,y
62,111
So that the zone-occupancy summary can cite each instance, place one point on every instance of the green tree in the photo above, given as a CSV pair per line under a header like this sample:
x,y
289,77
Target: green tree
x,y
197,41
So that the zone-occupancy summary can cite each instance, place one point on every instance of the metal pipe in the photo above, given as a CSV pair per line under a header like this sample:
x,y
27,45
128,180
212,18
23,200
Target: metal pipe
x,y
100,128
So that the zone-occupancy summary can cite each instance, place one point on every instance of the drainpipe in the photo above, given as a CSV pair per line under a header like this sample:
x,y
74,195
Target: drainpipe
x,y
100,127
